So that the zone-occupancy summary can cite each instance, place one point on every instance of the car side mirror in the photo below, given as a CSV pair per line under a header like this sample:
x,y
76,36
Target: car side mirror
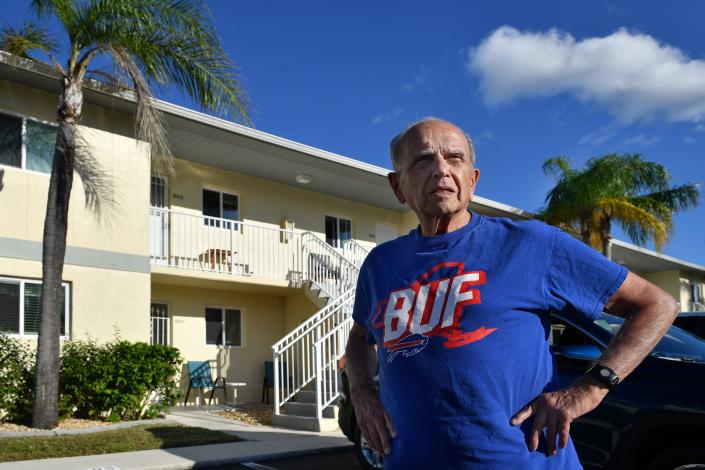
x,y
587,352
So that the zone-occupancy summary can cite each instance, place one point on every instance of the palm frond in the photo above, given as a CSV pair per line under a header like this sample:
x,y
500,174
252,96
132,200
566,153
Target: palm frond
x,y
677,198
149,122
172,42
98,185
559,167
637,222
626,188
25,38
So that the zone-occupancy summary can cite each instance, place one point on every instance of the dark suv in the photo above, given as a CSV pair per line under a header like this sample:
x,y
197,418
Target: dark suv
x,y
655,420
692,321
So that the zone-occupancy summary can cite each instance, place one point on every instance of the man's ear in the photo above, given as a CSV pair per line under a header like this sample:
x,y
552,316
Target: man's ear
x,y
475,178
393,178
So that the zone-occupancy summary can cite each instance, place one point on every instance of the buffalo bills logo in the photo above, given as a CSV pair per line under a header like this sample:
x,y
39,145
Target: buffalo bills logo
x,y
431,306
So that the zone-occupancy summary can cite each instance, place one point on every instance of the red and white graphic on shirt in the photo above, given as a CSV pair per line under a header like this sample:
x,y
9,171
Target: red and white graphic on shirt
x,y
427,308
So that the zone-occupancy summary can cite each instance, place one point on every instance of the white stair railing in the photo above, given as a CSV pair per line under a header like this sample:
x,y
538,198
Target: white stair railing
x,y
328,350
354,252
326,267
295,363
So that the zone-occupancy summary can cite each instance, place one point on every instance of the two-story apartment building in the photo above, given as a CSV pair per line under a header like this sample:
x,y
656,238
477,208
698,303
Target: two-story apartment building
x,y
255,238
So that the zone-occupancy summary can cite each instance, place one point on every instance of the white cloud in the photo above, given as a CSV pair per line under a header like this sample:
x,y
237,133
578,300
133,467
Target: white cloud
x,y
598,136
387,116
483,135
689,140
418,79
642,140
632,75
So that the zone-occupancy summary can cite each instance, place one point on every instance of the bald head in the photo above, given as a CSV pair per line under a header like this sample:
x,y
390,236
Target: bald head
x,y
395,146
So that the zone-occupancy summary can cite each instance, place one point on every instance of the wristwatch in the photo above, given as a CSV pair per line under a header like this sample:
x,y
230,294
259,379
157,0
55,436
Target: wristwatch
x,y
604,375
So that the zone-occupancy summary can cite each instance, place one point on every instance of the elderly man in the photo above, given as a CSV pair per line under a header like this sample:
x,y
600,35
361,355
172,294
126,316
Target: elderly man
x,y
459,311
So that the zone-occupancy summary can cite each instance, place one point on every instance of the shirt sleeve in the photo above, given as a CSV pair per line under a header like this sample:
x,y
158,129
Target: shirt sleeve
x,y
361,307
579,279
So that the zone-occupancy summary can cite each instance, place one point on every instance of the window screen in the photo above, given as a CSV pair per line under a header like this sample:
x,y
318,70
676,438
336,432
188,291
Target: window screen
x,y
345,230
10,141
214,326
211,203
230,209
332,231
233,328
9,307
33,305
41,139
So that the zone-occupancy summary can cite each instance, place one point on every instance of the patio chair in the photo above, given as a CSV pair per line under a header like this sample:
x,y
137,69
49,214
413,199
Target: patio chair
x,y
268,381
199,376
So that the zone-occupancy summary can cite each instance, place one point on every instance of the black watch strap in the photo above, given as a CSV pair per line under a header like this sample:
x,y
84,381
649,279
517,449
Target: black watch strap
x,y
604,375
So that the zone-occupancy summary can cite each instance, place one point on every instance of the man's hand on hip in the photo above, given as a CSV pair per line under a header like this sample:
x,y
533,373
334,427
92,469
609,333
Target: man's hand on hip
x,y
556,410
374,422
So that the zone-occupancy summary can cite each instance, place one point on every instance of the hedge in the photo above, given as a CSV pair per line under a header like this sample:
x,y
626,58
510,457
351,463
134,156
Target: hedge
x,y
114,381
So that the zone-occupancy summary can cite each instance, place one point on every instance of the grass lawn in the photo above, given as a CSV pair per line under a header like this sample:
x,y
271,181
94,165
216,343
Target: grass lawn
x,y
143,437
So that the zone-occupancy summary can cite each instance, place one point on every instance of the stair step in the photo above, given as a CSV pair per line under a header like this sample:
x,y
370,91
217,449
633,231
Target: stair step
x,y
305,396
305,423
309,409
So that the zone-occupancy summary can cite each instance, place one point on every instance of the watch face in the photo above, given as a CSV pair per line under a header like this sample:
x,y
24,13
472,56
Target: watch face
x,y
605,373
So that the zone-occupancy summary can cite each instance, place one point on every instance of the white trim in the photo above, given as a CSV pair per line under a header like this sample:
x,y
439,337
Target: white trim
x,y
23,140
338,217
646,251
222,309
221,192
23,144
67,306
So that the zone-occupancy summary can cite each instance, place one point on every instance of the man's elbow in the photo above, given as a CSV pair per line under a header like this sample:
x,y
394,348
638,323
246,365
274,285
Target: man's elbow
x,y
669,306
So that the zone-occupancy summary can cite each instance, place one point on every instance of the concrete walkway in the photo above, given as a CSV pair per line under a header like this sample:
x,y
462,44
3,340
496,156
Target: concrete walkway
x,y
262,443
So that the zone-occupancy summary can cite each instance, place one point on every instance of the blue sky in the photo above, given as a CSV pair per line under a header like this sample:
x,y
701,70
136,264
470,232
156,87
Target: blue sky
x,y
527,80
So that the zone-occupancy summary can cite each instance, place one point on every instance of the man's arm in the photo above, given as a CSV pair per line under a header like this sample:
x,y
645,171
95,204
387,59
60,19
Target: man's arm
x,y
648,313
361,367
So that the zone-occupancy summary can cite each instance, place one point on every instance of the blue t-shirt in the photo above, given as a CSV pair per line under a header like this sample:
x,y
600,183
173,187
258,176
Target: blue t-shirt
x,y
462,325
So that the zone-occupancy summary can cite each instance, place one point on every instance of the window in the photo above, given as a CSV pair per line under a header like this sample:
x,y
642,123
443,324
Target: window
x,y
223,326
697,293
338,230
26,143
20,304
220,205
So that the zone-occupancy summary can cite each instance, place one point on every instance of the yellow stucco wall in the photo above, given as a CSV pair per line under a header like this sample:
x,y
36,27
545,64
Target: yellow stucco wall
x,y
688,278
264,319
121,226
102,301
297,308
666,280
270,202
42,105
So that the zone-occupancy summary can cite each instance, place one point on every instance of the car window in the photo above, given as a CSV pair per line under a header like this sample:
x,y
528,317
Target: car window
x,y
677,344
694,325
567,335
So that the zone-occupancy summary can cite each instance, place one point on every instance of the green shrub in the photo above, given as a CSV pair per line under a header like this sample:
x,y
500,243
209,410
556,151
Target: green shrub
x,y
118,380
16,379
113,381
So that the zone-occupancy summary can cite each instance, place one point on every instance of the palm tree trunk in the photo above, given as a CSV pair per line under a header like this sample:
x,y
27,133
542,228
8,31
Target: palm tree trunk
x,y
606,238
46,403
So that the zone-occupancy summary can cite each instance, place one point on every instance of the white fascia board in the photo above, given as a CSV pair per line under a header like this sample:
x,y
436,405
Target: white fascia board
x,y
655,254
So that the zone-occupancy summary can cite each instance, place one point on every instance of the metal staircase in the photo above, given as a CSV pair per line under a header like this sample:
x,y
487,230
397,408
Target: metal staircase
x,y
306,360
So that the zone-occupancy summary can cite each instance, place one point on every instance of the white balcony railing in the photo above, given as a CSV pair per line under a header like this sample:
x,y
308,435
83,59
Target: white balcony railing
x,y
202,243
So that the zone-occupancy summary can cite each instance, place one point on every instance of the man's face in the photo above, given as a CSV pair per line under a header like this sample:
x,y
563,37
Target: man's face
x,y
435,175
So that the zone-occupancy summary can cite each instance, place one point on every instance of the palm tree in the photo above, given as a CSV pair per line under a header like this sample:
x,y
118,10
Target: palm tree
x,y
615,188
147,42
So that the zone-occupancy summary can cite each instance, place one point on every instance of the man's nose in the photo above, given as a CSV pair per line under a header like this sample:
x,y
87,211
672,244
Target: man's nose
x,y
440,166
